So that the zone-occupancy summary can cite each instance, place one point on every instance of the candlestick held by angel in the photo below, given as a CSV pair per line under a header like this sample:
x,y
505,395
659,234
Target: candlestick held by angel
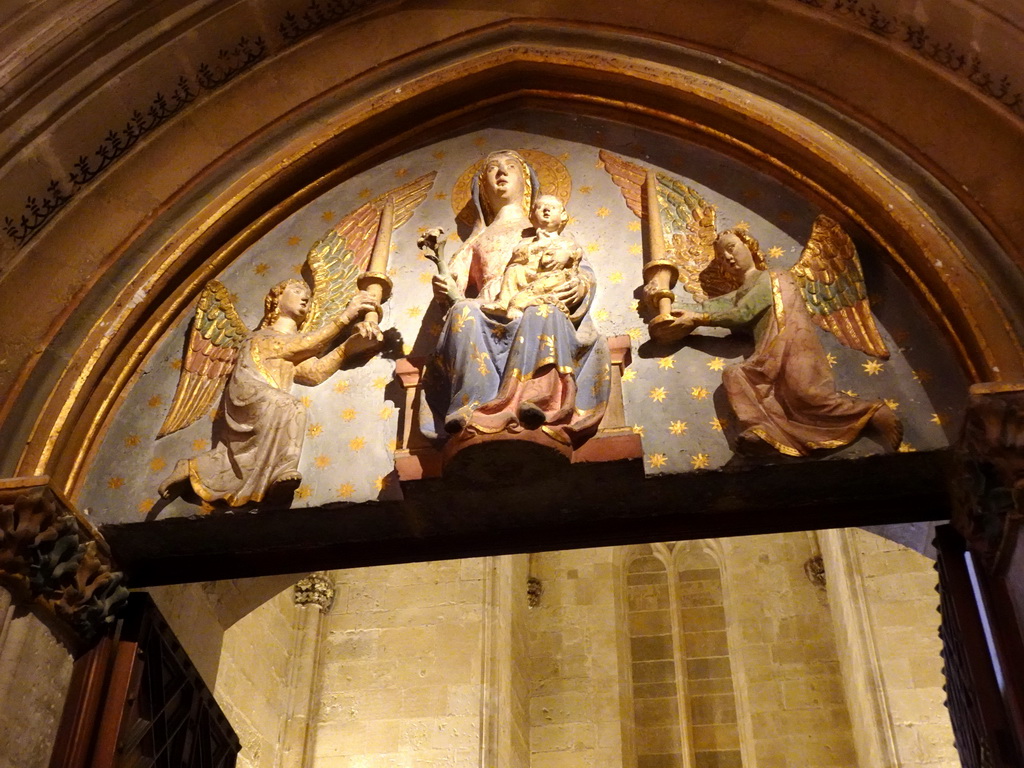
x,y
259,426
783,394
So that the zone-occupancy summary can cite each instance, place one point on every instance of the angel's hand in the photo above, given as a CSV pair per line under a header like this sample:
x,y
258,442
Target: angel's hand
x,y
679,326
360,304
446,290
368,330
571,292
650,294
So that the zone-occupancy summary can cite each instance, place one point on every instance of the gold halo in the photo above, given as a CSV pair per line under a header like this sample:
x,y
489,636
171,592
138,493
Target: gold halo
x,y
552,174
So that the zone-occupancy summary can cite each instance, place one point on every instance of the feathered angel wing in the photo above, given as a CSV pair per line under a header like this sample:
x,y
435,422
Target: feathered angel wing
x,y
216,334
343,253
832,282
687,225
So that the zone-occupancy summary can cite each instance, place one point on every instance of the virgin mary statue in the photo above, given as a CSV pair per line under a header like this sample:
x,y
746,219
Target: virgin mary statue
x,y
547,371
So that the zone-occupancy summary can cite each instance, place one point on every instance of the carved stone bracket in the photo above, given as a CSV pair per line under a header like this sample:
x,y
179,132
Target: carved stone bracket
x,y
315,589
52,558
988,494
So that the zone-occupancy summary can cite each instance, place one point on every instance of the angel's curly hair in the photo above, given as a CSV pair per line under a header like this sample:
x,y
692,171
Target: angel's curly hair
x,y
752,245
270,304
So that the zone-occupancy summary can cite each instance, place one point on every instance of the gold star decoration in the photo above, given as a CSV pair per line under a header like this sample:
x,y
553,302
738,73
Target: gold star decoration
x,y
831,360
716,364
327,215
401,173
936,419
848,393
157,464
666,363
132,440
699,393
155,401
115,482
480,141
345,490
923,376
306,401
381,483
322,461
200,444
677,427
341,385
297,269
425,277
592,247
633,226
393,445
906,447
743,226
635,333
365,192
635,305
699,461
386,412
718,424
145,505
638,429
586,190
261,269
657,460
440,154
635,250
175,364
380,382
872,367
603,211
775,252
441,196
414,311
893,405
615,278
658,394
603,315
357,443
303,492
629,375
294,240
314,430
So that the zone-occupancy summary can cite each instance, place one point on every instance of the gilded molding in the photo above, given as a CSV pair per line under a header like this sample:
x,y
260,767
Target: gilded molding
x,y
990,487
315,589
52,557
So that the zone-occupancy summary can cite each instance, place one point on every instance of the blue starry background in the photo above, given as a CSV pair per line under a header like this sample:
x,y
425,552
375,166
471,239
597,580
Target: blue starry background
x,y
672,395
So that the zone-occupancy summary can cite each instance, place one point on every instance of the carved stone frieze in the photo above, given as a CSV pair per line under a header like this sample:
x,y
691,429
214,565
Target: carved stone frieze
x,y
987,495
52,557
315,589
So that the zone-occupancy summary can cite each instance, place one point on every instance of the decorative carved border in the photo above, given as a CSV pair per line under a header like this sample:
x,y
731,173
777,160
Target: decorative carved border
x,y
119,141
319,15
968,65
52,557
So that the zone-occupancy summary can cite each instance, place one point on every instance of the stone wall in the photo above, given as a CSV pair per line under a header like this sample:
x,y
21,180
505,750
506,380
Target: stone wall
x,y
35,671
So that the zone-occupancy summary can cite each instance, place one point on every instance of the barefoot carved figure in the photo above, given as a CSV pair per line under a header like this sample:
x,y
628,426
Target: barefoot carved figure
x,y
784,394
259,427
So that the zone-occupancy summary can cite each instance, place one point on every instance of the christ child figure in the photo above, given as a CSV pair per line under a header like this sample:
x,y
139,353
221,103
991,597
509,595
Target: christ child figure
x,y
539,264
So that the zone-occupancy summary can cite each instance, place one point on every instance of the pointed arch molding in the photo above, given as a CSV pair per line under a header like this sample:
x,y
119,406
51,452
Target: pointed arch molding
x,y
204,204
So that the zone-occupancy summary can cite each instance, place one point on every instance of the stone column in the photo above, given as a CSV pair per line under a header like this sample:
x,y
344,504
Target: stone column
x,y
314,596
858,657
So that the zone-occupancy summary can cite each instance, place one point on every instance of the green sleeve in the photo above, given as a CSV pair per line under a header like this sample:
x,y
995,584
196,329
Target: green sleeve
x,y
728,311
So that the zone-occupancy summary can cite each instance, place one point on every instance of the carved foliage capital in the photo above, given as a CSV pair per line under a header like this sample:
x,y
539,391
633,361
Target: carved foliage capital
x,y
315,589
51,557
987,504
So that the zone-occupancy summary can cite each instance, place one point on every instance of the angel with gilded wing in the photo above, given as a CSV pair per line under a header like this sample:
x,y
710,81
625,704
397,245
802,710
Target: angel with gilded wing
x,y
784,393
259,426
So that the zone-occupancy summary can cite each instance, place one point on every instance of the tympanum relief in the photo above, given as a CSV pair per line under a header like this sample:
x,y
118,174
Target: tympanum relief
x,y
759,330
